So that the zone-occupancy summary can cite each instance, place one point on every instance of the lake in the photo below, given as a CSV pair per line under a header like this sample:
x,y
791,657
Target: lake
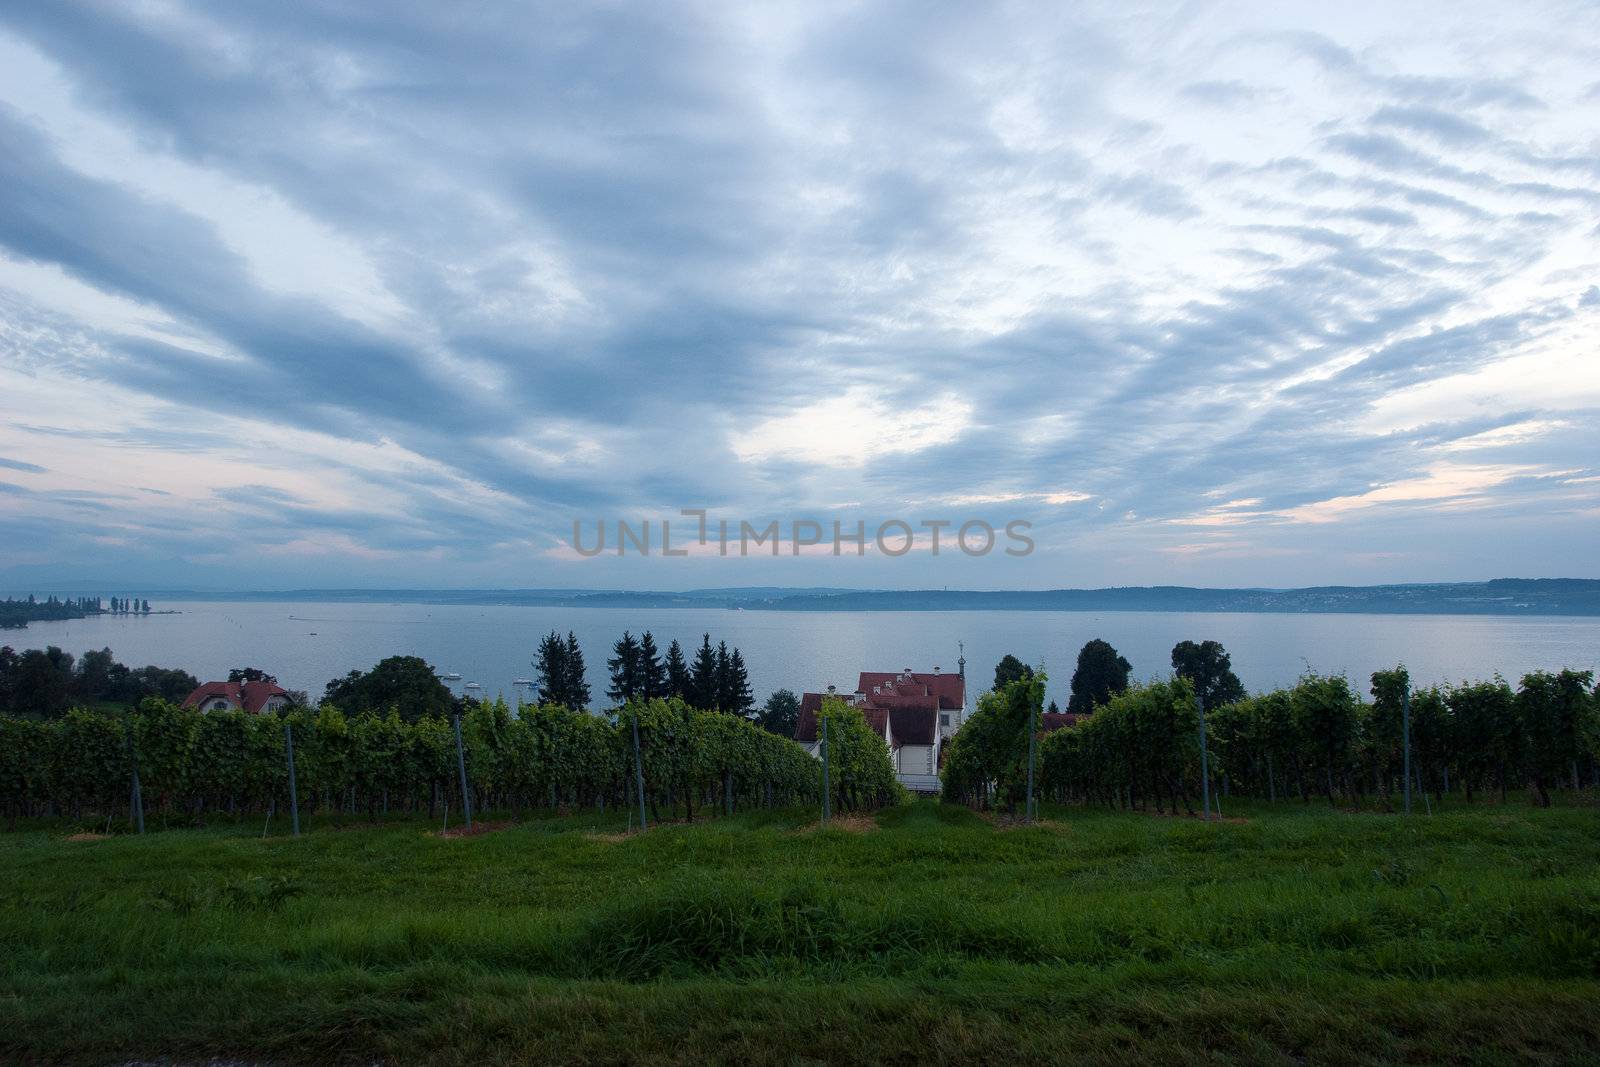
x,y
307,643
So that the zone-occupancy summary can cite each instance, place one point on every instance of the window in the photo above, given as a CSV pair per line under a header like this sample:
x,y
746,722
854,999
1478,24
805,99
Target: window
x,y
944,719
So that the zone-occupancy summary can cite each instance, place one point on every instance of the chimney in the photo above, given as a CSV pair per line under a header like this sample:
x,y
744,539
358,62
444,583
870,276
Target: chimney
x,y
830,690
935,668
908,672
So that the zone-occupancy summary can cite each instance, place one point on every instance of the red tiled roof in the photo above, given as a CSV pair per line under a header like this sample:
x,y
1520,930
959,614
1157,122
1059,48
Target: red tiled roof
x,y
908,705
951,689
805,730
251,696
1055,720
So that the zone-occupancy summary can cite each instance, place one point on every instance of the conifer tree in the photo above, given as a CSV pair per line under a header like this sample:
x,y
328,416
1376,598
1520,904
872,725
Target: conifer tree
x,y
703,677
652,675
627,681
550,669
677,672
740,699
724,694
576,683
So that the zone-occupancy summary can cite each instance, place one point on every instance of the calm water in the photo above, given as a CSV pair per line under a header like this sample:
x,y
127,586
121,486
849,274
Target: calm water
x,y
306,644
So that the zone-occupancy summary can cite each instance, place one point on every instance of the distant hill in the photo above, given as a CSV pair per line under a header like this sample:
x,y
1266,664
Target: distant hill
x,y
1502,596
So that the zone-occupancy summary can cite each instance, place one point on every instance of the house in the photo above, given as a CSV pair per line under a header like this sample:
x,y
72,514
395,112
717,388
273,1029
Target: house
x,y
255,698
1051,721
913,712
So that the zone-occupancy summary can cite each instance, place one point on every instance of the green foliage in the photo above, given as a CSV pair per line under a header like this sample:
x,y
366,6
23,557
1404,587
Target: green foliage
x,y
1209,668
401,683
1144,743
781,713
559,672
1008,670
1101,674
545,756
987,760
860,775
1317,737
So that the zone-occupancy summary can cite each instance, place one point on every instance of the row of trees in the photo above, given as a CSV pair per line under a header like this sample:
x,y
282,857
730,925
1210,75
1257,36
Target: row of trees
x,y
46,682
716,680
534,757
1102,672
1319,737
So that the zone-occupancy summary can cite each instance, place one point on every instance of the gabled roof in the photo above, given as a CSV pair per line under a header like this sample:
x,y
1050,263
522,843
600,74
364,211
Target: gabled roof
x,y
250,696
949,689
805,730
1055,720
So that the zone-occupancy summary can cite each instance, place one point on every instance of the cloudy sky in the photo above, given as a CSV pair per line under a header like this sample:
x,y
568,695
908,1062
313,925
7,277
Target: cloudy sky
x,y
352,294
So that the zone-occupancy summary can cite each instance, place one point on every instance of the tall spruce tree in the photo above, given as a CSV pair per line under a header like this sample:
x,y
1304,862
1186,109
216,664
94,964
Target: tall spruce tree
x,y
677,672
627,676
653,676
577,683
739,698
724,678
550,669
703,677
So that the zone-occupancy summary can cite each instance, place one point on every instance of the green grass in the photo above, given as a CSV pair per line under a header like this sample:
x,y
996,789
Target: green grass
x,y
1294,936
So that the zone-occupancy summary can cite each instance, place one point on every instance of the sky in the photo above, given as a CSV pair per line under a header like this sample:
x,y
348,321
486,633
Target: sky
x,y
339,294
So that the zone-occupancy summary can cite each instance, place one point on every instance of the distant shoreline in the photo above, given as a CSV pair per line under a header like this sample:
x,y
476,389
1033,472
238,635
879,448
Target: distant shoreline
x,y
1499,597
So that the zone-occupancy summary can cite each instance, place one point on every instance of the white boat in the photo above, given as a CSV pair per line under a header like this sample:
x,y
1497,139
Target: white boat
x,y
523,681
451,677
472,685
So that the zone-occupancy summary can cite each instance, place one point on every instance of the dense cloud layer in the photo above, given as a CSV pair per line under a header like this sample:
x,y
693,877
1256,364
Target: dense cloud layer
x,y
328,293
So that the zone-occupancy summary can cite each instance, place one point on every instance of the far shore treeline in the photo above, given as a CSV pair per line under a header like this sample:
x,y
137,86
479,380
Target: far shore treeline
x,y
16,613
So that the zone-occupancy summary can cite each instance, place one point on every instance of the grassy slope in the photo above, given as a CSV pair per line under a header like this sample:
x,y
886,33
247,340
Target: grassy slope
x,y
935,937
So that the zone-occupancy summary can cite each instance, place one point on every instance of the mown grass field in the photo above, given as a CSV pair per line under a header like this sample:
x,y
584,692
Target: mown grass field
x,y
924,935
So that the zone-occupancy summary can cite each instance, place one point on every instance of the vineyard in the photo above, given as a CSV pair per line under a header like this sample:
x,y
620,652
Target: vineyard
x,y
538,757
1142,748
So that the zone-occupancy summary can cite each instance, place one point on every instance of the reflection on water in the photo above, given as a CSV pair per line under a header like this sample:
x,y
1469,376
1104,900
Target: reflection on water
x,y
306,644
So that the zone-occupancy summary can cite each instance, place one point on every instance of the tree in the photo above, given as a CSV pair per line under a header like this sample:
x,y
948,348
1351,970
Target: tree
x,y
653,676
1009,670
560,675
703,677
550,670
737,696
405,684
627,675
99,675
169,684
577,684
781,713
42,682
1101,674
251,674
677,672
1208,668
